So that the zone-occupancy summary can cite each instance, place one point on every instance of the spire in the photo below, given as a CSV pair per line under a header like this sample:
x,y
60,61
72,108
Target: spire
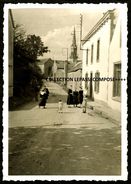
x,y
73,55
74,38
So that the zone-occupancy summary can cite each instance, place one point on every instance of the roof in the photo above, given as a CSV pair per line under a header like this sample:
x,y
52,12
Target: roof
x,y
60,64
97,26
43,61
70,66
76,67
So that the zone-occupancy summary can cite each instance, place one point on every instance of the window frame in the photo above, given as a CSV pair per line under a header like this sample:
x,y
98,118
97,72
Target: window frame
x,y
92,53
97,82
116,82
86,82
98,51
87,54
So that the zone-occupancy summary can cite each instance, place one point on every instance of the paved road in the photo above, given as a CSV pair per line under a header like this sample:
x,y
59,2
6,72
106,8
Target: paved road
x,y
32,115
42,141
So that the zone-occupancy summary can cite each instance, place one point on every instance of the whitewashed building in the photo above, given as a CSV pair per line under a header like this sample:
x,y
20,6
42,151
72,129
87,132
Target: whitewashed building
x,y
101,59
114,89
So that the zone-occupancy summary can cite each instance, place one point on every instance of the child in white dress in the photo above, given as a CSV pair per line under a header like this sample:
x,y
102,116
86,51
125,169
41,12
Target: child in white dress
x,y
60,106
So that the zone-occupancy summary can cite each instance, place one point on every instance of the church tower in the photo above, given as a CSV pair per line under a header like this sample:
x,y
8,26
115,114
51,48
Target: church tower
x,y
73,55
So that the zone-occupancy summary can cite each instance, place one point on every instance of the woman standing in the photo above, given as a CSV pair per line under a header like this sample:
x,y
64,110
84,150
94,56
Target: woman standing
x,y
43,97
75,98
80,96
70,97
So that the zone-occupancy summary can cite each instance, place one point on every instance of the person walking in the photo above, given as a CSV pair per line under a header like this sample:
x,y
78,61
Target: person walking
x,y
44,93
47,92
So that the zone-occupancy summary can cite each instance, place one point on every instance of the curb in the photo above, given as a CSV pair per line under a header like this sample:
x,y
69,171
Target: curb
x,y
98,111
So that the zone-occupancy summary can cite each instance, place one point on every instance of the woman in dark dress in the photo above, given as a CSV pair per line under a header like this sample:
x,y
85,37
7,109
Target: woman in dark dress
x,y
80,96
69,97
75,98
43,98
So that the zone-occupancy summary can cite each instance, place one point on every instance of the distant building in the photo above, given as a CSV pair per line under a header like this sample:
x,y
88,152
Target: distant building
x,y
101,58
74,75
60,70
10,51
46,66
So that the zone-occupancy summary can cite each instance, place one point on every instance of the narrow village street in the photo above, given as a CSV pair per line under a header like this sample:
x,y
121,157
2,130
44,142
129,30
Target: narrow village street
x,y
45,142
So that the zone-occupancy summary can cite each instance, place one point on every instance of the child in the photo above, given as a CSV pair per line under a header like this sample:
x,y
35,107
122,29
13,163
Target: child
x,y
84,104
60,106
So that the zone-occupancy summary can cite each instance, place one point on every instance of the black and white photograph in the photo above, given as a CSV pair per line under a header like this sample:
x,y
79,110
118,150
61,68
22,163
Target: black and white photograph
x,y
65,92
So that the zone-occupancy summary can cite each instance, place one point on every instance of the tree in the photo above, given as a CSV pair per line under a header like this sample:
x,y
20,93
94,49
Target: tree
x,y
26,50
34,47
30,46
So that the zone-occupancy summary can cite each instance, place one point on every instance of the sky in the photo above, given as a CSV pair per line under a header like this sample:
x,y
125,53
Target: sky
x,y
55,26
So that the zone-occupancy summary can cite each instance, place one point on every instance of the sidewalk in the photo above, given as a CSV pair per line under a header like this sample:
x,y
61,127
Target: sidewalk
x,y
105,111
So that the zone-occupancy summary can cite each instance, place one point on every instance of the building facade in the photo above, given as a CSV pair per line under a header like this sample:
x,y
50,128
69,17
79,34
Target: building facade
x,y
101,59
10,51
114,89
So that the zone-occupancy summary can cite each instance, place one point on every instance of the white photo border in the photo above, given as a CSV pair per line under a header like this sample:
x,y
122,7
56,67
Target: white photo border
x,y
123,176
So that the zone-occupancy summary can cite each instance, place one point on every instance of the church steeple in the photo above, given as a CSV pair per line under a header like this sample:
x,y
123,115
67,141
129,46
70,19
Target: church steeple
x,y
74,38
73,55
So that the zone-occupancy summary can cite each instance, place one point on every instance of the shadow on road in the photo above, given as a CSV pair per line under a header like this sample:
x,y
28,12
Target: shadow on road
x,y
53,98
26,106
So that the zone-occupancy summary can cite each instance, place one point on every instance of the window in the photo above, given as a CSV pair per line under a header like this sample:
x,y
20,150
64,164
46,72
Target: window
x,y
117,80
98,51
87,57
86,81
97,76
92,47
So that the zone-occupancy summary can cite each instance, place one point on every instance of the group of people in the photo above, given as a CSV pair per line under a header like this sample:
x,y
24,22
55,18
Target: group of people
x,y
75,97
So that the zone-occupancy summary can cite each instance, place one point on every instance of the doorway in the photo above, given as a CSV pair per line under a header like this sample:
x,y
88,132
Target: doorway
x,y
91,86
